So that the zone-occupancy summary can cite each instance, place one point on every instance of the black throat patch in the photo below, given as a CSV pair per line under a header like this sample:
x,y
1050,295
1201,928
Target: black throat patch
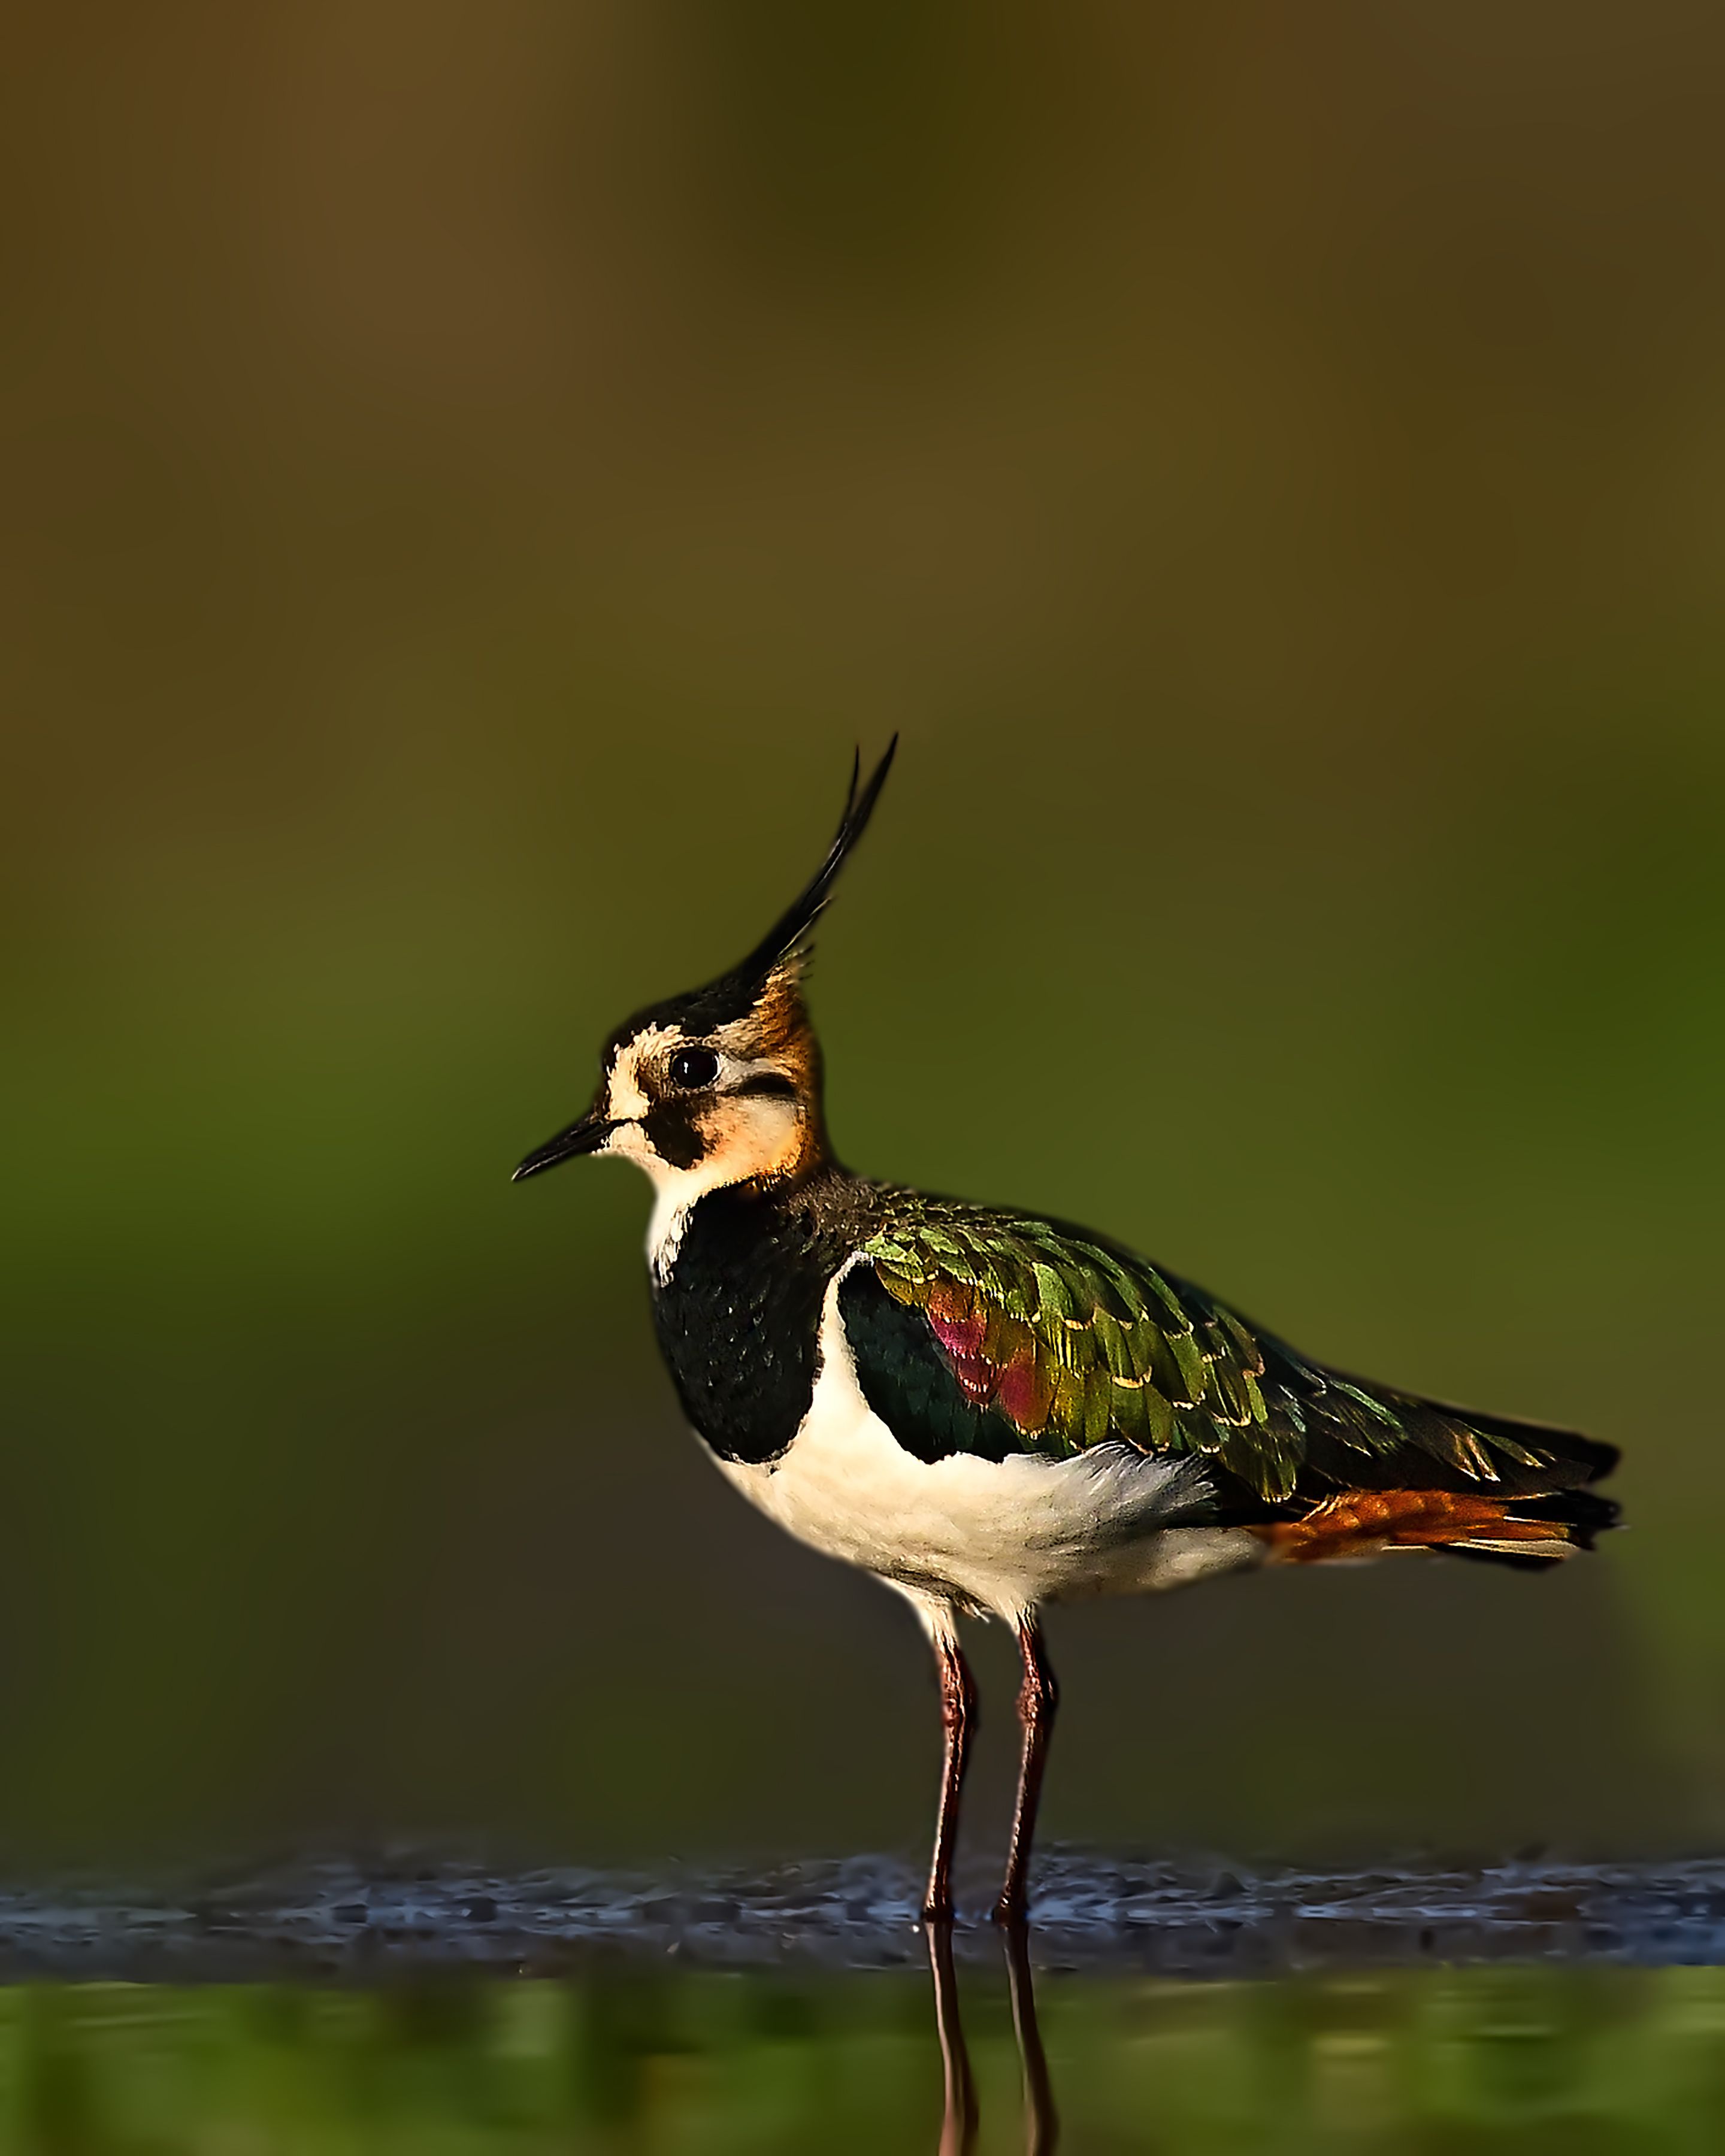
x,y
738,1317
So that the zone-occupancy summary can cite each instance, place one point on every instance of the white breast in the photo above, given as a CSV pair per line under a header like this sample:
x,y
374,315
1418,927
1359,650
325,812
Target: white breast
x,y
995,1536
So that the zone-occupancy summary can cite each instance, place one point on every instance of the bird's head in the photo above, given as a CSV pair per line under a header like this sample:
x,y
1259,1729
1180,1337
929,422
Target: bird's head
x,y
722,1085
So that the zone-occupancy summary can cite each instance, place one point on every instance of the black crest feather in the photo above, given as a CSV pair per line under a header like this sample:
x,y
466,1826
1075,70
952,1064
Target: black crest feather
x,y
735,992
790,930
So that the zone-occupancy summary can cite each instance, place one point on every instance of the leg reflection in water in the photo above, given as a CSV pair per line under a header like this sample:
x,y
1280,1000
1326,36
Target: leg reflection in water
x,y
959,2116
959,2120
1042,2128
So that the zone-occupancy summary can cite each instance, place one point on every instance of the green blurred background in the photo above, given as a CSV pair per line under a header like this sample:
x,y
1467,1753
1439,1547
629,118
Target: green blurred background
x,y
469,475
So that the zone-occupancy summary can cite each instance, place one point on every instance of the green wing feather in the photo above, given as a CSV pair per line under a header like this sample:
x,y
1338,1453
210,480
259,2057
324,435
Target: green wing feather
x,y
1064,1340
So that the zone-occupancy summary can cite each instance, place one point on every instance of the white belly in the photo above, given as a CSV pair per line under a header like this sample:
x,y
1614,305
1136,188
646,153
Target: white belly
x,y
994,1535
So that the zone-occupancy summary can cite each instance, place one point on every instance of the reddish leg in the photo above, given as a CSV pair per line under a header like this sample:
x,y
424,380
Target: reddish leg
x,y
957,1710
1039,1695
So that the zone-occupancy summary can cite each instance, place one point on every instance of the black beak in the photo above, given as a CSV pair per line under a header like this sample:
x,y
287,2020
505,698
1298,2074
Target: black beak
x,y
587,1135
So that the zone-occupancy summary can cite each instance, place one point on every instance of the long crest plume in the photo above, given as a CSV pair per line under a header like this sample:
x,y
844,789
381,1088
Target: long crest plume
x,y
788,941
788,935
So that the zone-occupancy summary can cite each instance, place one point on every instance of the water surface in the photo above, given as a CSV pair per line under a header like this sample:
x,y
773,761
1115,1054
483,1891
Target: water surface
x,y
436,2006
684,2060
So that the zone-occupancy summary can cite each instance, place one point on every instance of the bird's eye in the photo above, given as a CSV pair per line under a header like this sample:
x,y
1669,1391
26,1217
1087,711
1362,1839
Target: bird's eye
x,y
694,1066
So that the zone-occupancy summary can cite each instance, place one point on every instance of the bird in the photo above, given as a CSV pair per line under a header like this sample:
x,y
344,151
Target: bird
x,y
989,1410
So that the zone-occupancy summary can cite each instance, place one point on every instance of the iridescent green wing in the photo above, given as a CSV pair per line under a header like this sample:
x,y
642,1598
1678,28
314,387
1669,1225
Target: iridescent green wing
x,y
994,1332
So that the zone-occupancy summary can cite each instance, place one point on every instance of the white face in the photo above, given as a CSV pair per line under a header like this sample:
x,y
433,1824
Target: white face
x,y
700,1113
706,1109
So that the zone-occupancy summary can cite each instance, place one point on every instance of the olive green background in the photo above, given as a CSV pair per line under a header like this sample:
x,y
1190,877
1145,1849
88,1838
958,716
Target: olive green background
x,y
469,476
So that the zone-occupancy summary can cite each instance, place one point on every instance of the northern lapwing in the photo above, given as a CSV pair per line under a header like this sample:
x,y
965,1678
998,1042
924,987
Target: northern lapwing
x,y
989,1410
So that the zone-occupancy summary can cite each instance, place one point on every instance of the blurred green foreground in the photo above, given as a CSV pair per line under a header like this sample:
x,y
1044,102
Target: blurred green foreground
x,y
1535,2058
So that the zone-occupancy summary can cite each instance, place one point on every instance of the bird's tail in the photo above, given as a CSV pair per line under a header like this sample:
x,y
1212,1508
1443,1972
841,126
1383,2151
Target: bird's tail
x,y
1540,1513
